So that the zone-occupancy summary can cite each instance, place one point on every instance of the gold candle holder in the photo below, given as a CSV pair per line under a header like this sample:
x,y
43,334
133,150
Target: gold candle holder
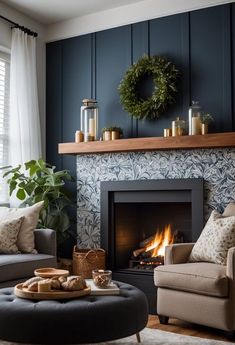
x,y
79,137
204,128
167,132
107,135
115,135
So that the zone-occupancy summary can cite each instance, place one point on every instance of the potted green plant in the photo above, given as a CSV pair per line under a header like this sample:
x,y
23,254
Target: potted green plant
x,y
37,180
206,119
112,133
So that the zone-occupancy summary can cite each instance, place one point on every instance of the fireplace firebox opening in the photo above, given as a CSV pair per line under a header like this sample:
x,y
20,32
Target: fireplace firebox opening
x,y
142,230
135,214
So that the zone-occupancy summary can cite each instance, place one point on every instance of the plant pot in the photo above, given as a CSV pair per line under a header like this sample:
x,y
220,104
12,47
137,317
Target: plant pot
x,y
204,128
107,135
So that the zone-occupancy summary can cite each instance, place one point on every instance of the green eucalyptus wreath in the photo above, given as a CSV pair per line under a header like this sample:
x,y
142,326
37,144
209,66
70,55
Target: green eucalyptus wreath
x,y
164,75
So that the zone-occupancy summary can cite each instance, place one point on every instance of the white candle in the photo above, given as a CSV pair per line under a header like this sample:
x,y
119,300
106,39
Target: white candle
x,y
92,127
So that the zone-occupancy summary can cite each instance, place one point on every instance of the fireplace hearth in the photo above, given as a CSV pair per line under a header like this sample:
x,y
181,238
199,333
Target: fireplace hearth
x,y
133,212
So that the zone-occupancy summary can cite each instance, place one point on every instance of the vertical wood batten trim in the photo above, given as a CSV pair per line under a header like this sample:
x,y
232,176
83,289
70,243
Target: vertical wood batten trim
x,y
140,46
91,62
93,65
148,38
95,82
133,132
185,57
227,67
189,59
53,103
61,160
148,52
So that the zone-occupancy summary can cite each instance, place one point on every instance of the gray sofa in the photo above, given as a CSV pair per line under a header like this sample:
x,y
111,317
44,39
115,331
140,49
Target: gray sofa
x,y
15,268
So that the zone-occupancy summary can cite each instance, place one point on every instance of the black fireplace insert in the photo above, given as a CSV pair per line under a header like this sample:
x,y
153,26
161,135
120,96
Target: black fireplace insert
x,y
133,212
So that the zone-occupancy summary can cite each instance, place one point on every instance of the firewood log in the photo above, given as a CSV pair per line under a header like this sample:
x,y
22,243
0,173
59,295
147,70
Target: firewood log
x,y
137,252
146,242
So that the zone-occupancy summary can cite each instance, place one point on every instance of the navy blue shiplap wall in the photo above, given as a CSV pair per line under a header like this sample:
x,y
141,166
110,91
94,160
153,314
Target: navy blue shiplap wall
x,y
200,43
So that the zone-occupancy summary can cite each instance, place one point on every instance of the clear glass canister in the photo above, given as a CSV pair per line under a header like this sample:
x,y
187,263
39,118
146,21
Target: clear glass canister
x,y
178,127
89,119
194,119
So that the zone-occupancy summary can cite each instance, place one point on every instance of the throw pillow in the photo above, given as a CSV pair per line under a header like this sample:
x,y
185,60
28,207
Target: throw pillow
x,y
215,240
8,235
229,210
25,240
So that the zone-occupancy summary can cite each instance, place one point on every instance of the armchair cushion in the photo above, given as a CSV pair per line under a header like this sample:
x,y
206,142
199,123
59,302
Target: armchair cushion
x,y
215,240
200,278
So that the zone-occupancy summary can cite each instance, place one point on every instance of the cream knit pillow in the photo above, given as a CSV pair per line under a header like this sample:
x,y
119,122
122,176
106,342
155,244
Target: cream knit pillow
x,y
8,235
215,240
25,240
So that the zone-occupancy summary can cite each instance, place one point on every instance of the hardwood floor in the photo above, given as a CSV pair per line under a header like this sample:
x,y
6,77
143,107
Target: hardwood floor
x,y
181,327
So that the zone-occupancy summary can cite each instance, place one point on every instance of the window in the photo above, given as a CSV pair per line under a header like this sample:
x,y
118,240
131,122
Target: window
x,y
4,120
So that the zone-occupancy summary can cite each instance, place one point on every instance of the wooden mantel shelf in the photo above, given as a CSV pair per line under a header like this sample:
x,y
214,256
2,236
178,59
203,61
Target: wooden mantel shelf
x,y
150,144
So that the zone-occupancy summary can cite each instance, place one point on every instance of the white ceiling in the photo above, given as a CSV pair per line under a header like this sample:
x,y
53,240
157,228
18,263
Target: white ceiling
x,y
52,11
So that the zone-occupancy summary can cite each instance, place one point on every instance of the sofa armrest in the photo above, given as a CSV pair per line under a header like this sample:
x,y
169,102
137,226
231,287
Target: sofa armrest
x,y
230,271
231,264
177,253
45,241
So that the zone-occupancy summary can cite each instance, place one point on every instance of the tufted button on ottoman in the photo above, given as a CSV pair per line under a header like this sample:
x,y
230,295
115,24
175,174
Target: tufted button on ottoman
x,y
88,319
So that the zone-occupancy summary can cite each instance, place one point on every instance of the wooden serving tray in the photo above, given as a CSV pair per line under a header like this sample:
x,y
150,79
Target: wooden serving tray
x,y
55,294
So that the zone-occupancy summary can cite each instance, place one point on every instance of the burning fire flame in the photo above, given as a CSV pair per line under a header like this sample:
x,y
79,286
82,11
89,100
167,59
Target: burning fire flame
x,y
161,239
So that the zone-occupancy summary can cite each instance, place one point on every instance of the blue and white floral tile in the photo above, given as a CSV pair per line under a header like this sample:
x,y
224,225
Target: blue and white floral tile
x,y
215,166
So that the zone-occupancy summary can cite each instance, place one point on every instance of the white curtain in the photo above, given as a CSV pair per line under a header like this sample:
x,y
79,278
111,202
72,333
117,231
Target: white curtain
x,y
25,134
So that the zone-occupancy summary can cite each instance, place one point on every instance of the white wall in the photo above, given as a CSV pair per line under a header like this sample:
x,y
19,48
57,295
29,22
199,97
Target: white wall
x,y
5,41
143,10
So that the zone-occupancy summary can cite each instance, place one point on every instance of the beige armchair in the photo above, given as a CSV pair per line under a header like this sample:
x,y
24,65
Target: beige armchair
x,y
199,292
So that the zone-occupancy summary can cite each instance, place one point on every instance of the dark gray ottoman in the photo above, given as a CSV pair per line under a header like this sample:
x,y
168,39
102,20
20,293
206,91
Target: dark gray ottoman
x,y
88,319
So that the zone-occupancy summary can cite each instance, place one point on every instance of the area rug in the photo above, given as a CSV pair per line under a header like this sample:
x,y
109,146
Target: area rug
x,y
156,337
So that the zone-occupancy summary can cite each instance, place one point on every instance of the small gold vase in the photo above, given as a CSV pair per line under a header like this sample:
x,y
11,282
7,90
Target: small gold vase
x,y
115,135
204,128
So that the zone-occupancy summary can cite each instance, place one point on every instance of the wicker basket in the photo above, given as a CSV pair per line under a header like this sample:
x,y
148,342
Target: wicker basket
x,y
86,260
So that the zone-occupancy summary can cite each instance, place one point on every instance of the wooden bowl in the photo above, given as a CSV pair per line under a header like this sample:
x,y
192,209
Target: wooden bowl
x,y
50,272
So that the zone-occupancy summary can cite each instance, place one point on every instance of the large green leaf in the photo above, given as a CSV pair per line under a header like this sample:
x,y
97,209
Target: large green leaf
x,y
29,164
13,185
38,190
22,184
29,187
33,169
41,163
21,194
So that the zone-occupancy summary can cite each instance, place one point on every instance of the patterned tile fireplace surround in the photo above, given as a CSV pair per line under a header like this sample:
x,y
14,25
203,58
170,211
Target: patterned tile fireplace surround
x,y
215,166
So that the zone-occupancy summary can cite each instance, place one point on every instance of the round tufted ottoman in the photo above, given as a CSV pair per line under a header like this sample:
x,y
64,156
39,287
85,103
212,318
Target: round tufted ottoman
x,y
88,319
